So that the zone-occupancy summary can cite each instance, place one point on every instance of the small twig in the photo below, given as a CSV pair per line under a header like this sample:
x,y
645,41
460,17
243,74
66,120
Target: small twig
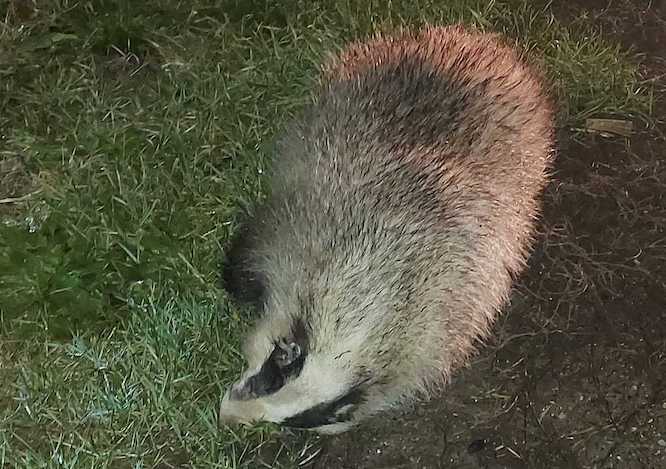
x,y
309,458
13,200
620,127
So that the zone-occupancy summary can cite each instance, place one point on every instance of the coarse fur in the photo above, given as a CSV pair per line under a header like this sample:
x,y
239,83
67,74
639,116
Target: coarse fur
x,y
401,206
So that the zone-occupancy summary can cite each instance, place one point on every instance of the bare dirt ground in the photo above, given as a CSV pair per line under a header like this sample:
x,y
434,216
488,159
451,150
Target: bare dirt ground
x,y
576,374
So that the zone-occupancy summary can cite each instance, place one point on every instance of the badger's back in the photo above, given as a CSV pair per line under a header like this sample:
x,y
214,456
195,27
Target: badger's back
x,y
419,165
402,204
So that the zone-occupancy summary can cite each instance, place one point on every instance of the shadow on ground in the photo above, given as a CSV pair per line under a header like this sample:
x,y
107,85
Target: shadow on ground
x,y
575,375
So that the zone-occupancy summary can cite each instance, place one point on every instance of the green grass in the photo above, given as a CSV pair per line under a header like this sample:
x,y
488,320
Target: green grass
x,y
130,134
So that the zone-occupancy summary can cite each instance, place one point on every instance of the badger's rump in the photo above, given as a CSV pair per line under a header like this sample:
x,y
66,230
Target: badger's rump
x,y
442,89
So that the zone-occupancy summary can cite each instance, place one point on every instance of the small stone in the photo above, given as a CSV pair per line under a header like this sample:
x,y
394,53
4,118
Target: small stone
x,y
476,446
661,442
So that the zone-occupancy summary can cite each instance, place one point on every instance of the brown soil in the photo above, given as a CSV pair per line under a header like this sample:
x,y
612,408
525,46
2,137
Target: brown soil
x,y
576,374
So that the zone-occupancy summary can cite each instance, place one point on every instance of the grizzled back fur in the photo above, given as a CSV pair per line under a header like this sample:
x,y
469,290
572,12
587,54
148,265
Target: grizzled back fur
x,y
400,207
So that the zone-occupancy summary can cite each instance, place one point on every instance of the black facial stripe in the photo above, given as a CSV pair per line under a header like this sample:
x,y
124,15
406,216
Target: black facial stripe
x,y
271,377
326,413
268,380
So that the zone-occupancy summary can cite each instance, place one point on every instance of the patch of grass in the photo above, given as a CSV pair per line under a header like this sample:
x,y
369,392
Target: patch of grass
x,y
140,396
139,128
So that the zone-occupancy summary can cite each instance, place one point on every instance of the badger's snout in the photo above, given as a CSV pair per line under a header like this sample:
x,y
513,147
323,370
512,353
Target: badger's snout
x,y
234,410
297,388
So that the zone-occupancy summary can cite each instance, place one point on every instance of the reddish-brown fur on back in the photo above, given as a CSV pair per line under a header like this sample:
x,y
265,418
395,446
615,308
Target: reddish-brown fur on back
x,y
452,51
510,117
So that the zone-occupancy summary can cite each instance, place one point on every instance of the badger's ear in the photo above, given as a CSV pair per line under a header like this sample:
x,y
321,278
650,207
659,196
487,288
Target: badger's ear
x,y
289,354
286,354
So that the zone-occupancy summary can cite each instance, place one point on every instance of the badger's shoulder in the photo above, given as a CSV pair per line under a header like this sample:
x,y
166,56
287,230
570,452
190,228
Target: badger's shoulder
x,y
436,86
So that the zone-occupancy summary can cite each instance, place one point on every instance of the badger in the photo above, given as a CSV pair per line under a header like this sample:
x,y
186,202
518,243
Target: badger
x,y
401,206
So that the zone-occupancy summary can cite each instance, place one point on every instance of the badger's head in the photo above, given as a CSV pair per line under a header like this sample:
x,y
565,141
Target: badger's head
x,y
293,381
